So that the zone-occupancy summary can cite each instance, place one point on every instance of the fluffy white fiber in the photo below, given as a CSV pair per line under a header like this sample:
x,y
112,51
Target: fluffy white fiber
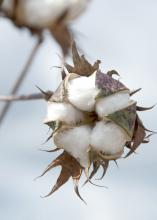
x,y
112,103
63,112
82,92
42,13
107,137
76,142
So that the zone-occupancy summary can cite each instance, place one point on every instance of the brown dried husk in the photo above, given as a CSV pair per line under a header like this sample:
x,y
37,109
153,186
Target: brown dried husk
x,y
138,138
81,66
69,168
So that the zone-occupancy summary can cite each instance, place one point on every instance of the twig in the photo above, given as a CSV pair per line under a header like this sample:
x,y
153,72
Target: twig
x,y
29,97
1,2
20,78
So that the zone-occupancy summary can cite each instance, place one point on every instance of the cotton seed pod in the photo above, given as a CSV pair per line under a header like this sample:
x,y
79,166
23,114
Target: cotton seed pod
x,y
43,13
38,15
102,121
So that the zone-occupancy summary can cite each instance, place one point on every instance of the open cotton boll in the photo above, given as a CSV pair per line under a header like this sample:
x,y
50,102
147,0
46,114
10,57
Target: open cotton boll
x,y
76,142
108,138
63,112
112,103
42,13
82,92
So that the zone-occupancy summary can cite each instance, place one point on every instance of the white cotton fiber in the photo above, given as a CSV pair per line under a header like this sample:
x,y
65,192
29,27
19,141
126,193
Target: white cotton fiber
x,y
64,112
108,138
82,92
112,103
76,142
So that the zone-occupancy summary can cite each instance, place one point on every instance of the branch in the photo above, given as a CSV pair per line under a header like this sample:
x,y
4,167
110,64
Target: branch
x,y
29,97
20,79
1,1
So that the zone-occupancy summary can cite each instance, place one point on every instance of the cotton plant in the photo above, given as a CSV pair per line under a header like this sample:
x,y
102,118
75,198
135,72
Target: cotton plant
x,y
38,15
93,120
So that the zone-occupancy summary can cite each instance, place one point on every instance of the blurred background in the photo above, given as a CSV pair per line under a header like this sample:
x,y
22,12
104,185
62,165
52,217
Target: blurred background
x,y
123,35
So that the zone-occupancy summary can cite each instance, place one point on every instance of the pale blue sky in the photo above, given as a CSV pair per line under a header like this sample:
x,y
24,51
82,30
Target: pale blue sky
x,y
123,34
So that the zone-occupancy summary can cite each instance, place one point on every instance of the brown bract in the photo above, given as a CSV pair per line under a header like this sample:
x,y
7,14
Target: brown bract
x,y
81,66
69,168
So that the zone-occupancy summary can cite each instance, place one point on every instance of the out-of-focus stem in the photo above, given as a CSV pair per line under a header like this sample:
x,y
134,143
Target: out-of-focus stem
x,y
20,79
11,98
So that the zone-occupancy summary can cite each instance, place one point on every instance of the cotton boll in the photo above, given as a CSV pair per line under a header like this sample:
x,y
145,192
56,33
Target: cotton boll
x,y
76,142
82,92
43,13
63,112
112,103
108,138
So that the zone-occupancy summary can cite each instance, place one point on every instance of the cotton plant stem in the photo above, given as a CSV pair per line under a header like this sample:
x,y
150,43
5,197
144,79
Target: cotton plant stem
x,y
11,98
20,79
34,96
1,2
